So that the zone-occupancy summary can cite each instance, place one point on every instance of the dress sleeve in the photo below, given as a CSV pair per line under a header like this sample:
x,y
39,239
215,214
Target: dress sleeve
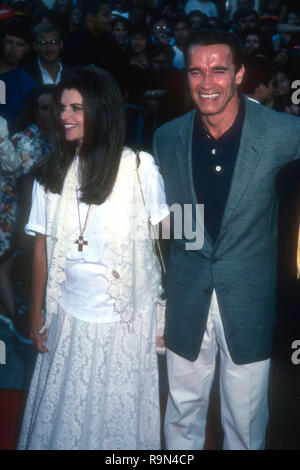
x,y
37,219
153,189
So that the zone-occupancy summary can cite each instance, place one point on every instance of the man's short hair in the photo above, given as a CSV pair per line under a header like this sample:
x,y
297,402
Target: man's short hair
x,y
91,7
212,36
243,13
181,18
45,27
18,28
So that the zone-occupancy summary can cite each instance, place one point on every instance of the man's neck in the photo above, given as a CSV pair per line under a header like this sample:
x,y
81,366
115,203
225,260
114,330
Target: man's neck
x,y
5,67
218,124
52,69
92,30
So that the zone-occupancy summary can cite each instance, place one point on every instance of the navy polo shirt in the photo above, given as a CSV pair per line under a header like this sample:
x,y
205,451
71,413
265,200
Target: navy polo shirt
x,y
213,165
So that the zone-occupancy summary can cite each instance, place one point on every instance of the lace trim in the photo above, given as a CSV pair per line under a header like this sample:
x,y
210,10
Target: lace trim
x,y
132,269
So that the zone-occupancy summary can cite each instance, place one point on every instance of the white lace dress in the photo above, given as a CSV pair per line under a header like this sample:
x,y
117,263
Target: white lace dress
x,y
97,387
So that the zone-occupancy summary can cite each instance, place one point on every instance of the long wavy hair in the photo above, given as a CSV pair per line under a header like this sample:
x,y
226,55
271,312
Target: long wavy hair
x,y
103,141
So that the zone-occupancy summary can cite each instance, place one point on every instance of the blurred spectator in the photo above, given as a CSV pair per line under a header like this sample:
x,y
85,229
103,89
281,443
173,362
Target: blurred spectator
x,y
31,143
161,31
276,8
240,4
137,14
204,6
198,20
19,84
168,9
256,44
258,81
282,82
120,52
121,8
93,43
245,20
75,19
181,30
139,69
119,30
47,68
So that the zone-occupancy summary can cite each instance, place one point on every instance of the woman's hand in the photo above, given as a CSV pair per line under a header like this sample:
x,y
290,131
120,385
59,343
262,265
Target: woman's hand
x,y
37,322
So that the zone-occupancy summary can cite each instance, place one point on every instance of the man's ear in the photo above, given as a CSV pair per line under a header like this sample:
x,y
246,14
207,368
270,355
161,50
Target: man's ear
x,y
240,75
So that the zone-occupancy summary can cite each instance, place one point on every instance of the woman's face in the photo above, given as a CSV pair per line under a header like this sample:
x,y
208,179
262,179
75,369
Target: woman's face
x,y
138,43
252,43
120,33
72,115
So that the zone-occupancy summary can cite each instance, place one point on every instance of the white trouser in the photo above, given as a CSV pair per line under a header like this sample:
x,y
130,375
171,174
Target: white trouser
x,y
243,394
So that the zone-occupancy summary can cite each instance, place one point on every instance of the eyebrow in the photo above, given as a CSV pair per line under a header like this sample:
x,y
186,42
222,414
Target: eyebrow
x,y
217,67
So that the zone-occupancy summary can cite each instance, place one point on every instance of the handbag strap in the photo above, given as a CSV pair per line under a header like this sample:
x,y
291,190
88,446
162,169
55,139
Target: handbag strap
x,y
150,227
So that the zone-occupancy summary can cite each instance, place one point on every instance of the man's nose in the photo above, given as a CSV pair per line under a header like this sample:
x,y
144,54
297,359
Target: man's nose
x,y
206,81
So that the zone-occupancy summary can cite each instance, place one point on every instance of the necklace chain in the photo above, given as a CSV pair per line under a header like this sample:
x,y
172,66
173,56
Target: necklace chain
x,y
80,241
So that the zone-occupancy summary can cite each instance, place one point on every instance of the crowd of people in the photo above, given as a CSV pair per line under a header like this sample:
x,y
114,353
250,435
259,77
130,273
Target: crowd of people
x,y
142,44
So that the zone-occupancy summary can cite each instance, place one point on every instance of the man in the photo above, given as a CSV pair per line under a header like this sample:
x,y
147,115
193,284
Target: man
x,y
47,69
221,296
258,81
93,44
19,84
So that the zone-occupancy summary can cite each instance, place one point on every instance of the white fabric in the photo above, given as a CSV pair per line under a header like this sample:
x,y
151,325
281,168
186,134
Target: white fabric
x,y
85,290
243,394
178,61
208,8
46,77
96,388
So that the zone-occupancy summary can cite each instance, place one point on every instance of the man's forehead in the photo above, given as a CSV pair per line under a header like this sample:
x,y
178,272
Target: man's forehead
x,y
49,34
11,37
211,51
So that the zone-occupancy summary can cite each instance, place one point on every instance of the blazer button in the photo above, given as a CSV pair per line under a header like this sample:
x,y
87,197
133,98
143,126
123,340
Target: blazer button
x,y
116,274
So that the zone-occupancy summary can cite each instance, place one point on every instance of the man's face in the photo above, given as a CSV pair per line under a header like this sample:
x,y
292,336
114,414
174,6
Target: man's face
x,y
48,47
247,23
213,80
14,50
102,21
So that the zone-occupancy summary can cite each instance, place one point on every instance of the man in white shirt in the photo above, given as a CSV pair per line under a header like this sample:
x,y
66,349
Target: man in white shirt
x,y
205,6
47,68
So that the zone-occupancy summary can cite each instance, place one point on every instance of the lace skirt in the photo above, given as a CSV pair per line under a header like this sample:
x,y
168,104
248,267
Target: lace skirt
x,y
96,388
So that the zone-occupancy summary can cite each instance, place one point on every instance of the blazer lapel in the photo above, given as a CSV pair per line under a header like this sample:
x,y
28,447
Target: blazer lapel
x,y
250,152
184,158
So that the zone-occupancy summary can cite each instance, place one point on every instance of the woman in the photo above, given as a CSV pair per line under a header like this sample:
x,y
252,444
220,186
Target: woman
x,y
95,381
30,143
119,30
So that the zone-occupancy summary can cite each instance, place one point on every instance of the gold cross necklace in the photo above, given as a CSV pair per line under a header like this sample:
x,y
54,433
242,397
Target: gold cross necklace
x,y
81,242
